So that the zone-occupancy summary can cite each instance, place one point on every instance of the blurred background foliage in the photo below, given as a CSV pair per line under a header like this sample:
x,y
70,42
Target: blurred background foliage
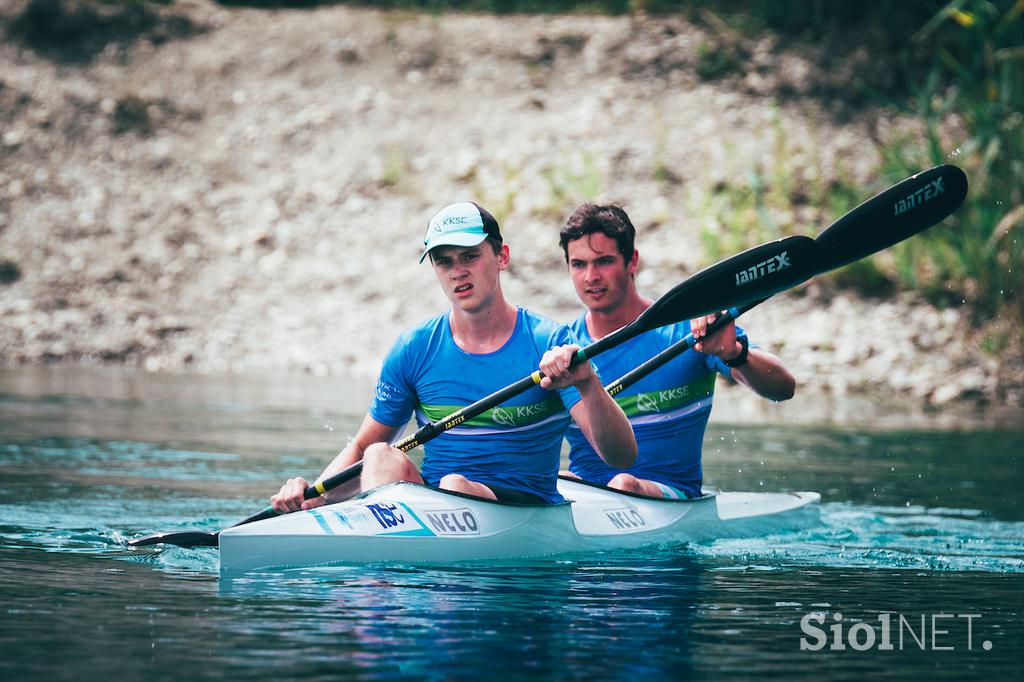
x,y
958,67
970,98
955,68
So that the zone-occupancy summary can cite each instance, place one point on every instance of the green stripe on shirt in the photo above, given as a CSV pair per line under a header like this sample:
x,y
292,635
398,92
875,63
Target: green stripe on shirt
x,y
667,399
508,416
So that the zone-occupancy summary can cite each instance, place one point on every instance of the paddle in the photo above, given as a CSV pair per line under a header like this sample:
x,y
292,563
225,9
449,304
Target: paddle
x,y
898,213
687,342
889,217
752,275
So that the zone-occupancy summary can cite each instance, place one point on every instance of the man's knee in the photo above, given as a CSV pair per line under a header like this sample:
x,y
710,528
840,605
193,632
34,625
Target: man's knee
x,y
377,452
626,482
381,457
453,482
460,484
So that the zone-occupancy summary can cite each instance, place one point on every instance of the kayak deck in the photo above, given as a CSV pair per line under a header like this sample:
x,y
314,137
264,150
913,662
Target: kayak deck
x,y
598,511
411,523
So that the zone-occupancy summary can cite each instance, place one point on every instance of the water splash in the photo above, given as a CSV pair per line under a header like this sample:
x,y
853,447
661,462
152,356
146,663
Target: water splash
x,y
910,537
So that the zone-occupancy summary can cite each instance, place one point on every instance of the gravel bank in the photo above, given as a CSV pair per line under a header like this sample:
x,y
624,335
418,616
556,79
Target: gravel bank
x,y
248,191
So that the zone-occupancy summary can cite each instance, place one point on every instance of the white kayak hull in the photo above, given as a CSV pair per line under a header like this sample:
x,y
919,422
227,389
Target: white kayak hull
x,y
410,523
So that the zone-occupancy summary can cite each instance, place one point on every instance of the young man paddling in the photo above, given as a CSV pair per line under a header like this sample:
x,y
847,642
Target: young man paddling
x,y
668,409
510,453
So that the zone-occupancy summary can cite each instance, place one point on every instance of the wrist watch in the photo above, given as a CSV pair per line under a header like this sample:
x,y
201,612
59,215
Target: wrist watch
x,y
740,359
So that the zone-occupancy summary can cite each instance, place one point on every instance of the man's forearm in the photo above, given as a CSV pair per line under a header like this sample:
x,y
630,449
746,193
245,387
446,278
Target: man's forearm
x,y
349,455
765,374
610,430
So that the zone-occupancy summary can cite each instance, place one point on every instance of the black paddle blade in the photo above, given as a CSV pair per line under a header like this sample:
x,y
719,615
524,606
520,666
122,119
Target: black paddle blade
x,y
903,210
187,539
750,276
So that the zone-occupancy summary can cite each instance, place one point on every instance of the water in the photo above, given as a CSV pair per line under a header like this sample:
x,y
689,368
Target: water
x,y
918,524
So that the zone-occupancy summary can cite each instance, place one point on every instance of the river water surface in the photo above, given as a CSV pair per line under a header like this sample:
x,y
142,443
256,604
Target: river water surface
x,y
920,529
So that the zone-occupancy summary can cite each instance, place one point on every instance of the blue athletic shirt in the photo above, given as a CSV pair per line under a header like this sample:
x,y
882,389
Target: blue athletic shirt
x,y
668,409
517,444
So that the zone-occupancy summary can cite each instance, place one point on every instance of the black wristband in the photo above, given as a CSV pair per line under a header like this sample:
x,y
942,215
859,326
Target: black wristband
x,y
740,359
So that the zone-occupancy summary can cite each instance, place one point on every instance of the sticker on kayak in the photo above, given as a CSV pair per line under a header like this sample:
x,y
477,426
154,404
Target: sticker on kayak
x,y
452,521
626,518
375,518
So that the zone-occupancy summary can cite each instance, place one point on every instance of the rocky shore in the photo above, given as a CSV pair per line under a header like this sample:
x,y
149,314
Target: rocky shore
x,y
235,190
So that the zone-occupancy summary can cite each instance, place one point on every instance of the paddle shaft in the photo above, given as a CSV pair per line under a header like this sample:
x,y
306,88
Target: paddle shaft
x,y
430,431
673,351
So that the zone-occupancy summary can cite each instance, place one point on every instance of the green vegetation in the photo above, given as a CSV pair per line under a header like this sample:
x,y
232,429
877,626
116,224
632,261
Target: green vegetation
x,y
489,6
9,271
961,75
716,61
131,113
971,103
575,178
77,30
500,204
768,203
958,67
663,173
573,181
395,170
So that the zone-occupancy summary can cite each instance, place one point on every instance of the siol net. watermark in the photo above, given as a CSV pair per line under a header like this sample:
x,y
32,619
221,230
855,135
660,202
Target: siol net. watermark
x,y
893,632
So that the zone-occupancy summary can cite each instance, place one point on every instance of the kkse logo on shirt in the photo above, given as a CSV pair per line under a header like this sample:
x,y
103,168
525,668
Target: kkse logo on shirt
x,y
645,403
503,417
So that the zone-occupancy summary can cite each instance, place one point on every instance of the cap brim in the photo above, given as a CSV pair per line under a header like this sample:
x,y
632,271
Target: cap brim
x,y
453,239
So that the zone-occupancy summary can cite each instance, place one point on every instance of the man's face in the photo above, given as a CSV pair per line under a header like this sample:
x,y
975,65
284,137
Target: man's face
x,y
601,276
469,275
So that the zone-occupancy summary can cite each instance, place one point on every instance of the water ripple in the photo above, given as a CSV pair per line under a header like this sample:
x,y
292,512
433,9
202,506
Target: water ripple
x,y
936,539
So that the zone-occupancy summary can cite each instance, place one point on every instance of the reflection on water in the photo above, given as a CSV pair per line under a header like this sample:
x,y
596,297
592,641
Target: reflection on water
x,y
913,522
531,615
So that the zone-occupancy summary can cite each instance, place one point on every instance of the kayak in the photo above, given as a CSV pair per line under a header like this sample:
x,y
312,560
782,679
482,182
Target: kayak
x,y
411,523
